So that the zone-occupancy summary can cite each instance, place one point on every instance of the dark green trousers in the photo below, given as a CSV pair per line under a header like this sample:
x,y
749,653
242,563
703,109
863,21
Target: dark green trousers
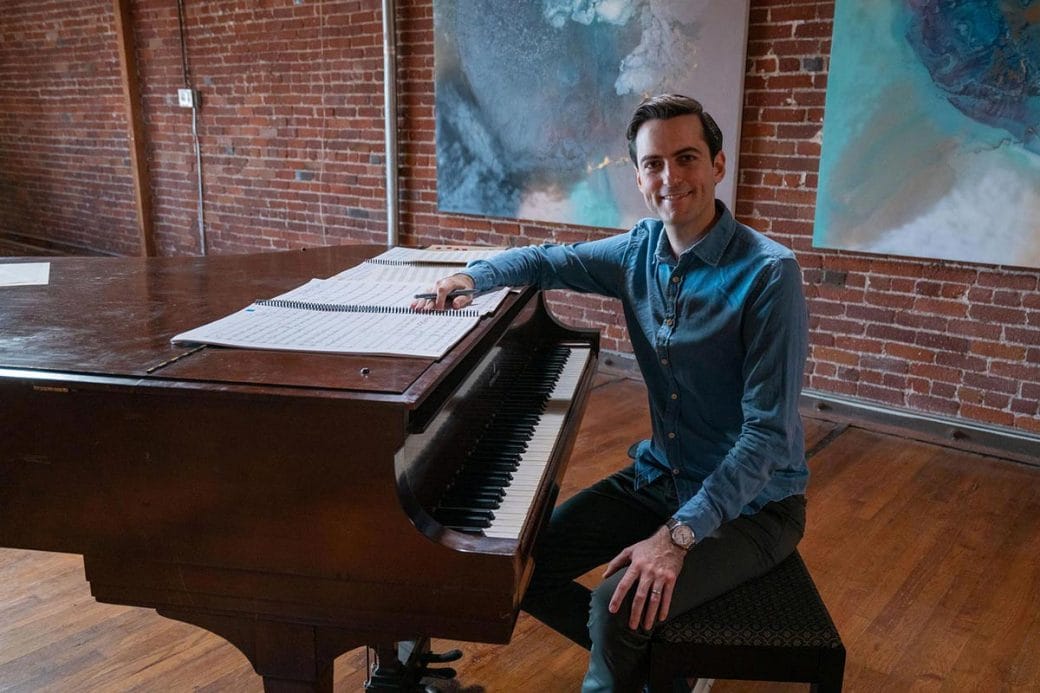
x,y
592,527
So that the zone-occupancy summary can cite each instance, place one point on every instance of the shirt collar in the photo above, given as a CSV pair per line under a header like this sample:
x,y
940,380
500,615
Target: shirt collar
x,y
710,247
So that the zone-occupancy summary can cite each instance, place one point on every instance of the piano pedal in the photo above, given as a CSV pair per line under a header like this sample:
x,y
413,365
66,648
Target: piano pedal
x,y
404,667
445,673
442,657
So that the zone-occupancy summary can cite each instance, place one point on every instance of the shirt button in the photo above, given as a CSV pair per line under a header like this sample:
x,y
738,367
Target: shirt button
x,y
676,279
675,472
664,361
668,321
671,435
675,395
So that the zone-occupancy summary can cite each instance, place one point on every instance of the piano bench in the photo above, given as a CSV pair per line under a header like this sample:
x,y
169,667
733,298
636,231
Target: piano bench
x,y
772,628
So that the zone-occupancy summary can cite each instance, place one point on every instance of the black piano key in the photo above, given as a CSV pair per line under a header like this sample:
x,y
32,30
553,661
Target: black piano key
x,y
481,518
504,425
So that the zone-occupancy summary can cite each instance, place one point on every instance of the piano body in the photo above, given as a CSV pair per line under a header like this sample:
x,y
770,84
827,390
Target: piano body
x,y
297,504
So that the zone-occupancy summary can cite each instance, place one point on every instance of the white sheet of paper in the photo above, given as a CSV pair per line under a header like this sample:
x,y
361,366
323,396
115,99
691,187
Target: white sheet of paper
x,y
24,273
400,334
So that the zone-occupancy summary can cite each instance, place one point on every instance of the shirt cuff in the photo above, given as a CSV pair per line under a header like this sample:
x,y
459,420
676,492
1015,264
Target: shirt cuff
x,y
482,275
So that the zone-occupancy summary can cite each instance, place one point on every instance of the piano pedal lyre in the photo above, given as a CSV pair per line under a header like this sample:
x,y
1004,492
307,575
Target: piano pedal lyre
x,y
402,666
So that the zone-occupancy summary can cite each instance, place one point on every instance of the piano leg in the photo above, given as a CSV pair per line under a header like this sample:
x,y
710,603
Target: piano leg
x,y
291,657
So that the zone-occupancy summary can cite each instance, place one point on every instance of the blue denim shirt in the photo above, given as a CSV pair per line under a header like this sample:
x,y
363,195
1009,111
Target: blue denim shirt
x,y
721,338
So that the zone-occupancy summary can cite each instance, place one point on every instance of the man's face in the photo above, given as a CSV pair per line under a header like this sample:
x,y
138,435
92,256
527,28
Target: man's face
x,y
677,175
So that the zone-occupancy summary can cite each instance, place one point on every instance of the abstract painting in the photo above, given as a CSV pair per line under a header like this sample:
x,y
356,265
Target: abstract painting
x,y
533,99
930,142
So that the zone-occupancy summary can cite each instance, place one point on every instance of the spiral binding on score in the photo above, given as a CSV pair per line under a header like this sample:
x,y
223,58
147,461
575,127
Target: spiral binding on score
x,y
348,308
414,263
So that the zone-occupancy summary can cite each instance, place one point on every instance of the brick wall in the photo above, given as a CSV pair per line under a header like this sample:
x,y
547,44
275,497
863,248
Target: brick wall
x,y
292,155
64,163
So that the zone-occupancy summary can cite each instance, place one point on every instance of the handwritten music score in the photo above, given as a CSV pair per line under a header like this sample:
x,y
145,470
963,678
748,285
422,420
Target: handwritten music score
x,y
356,311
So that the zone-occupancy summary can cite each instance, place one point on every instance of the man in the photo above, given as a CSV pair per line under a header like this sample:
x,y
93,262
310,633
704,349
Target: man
x,y
717,319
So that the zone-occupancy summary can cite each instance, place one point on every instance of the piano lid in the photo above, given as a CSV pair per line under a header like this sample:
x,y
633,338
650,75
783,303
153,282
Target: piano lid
x,y
112,319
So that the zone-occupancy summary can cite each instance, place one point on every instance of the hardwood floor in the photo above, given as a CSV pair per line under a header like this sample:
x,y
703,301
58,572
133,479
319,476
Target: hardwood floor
x,y
928,558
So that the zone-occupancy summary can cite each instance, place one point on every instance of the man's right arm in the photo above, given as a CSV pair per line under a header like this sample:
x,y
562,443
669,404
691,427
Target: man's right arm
x,y
443,287
592,267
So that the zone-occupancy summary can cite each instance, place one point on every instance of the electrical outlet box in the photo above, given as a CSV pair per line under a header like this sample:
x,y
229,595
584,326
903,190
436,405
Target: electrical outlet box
x,y
187,98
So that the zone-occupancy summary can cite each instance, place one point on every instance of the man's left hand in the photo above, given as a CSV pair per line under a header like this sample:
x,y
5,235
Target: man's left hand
x,y
653,567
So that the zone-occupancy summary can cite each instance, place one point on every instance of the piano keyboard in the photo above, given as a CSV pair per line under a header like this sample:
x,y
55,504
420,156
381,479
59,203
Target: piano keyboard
x,y
495,486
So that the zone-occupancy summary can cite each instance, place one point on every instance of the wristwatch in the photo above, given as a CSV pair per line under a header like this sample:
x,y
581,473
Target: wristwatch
x,y
682,535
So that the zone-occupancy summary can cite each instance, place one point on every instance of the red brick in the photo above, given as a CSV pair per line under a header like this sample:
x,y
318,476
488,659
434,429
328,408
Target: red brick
x,y
997,314
910,353
918,385
880,363
1017,371
871,346
881,394
937,405
1029,423
1006,280
838,356
997,350
1022,335
1031,391
940,307
835,385
972,328
838,326
986,415
917,321
826,370
989,382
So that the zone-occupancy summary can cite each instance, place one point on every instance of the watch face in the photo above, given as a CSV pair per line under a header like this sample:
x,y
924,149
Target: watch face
x,y
682,535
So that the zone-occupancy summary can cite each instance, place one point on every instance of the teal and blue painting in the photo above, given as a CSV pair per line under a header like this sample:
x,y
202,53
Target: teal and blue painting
x,y
533,98
931,138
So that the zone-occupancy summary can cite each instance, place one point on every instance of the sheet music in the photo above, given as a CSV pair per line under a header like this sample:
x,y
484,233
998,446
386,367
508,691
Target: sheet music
x,y
24,273
374,293
429,335
445,255
423,275
365,309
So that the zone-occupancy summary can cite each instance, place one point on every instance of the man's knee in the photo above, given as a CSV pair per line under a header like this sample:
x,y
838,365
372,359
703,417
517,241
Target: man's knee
x,y
612,630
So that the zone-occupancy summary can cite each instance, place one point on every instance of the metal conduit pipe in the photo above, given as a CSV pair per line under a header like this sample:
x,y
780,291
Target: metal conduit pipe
x,y
390,117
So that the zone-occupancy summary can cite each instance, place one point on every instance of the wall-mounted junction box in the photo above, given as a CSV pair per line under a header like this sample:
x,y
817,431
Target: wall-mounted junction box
x,y
187,98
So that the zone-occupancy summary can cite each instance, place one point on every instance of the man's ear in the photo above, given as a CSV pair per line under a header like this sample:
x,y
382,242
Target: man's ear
x,y
719,165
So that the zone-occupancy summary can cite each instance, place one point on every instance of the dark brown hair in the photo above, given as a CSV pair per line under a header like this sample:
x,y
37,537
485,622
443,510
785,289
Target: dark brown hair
x,y
665,106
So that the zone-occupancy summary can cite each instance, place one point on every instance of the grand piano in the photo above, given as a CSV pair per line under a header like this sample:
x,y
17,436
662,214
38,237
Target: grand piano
x,y
299,505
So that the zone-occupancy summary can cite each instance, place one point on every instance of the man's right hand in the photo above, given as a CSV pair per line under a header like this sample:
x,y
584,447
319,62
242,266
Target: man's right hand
x,y
442,288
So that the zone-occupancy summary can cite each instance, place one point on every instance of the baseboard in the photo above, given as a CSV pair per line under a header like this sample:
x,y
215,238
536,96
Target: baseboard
x,y
623,365
996,441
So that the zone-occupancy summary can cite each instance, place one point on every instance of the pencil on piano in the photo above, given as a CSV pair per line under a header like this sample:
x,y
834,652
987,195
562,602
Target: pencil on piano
x,y
451,294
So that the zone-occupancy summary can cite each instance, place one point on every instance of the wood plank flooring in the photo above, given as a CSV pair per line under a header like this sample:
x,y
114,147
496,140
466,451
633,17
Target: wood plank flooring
x,y
928,558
